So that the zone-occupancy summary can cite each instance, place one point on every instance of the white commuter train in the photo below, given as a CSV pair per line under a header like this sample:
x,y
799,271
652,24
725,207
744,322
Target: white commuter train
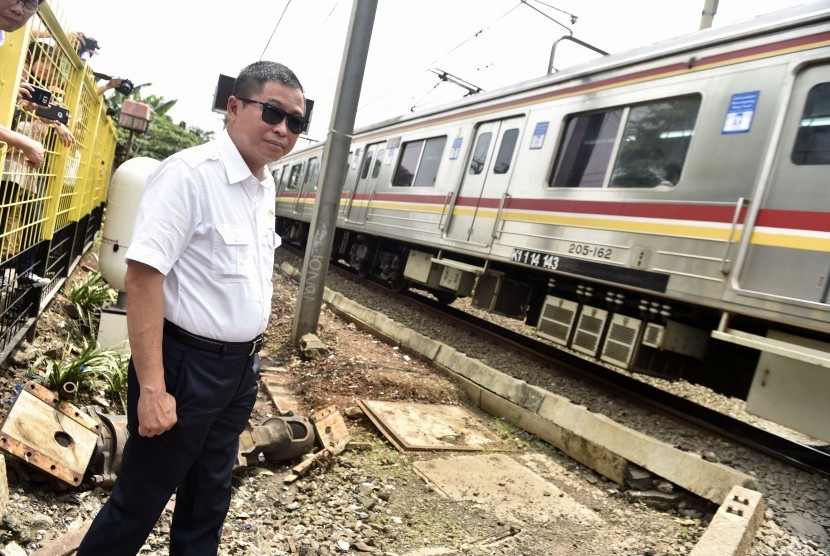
x,y
666,210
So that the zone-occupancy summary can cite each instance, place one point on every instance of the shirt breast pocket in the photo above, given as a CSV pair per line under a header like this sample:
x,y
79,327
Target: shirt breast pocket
x,y
232,253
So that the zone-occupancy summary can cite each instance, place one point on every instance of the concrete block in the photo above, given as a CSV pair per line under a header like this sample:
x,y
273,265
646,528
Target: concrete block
x,y
735,523
421,345
592,455
445,356
712,481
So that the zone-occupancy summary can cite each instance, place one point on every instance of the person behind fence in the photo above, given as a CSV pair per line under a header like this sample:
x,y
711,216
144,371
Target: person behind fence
x,y
199,286
13,15
24,192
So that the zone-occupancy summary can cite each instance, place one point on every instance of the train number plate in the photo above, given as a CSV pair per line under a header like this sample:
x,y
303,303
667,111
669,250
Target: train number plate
x,y
536,258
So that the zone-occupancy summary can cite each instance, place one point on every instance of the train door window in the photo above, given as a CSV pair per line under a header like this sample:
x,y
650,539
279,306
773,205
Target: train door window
x,y
367,163
294,176
284,177
480,153
586,148
506,149
812,142
378,158
418,165
312,172
654,143
277,174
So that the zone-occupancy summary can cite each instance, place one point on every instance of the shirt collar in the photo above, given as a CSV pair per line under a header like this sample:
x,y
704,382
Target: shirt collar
x,y
235,167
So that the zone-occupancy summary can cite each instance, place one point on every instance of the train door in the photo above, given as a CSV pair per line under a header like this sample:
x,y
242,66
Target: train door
x,y
367,180
485,181
289,183
788,253
308,188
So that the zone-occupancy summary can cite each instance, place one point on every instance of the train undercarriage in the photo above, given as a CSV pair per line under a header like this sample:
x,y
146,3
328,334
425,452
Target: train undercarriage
x,y
636,332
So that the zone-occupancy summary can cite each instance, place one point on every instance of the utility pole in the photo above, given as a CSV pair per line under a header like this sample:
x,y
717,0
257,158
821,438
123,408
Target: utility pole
x,y
710,8
324,219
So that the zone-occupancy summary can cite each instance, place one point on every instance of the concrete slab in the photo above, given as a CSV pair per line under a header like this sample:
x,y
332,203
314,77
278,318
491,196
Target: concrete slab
x,y
415,426
735,523
508,490
709,480
278,384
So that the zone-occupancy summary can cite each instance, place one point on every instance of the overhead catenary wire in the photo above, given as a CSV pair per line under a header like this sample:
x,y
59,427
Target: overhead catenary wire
x,y
400,84
267,44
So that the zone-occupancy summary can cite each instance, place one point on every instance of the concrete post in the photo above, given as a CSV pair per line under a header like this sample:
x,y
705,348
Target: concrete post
x,y
324,219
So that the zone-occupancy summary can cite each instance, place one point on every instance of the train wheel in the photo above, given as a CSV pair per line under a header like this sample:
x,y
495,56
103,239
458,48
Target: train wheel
x,y
399,284
445,297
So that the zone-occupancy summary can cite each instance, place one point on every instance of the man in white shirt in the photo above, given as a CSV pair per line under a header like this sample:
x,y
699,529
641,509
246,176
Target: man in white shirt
x,y
198,300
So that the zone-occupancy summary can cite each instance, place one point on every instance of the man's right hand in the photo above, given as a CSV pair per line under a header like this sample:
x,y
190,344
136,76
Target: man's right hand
x,y
33,151
156,412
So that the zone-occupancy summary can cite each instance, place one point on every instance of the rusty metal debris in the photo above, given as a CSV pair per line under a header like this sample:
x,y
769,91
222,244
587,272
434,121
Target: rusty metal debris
x,y
277,439
333,438
50,434
77,444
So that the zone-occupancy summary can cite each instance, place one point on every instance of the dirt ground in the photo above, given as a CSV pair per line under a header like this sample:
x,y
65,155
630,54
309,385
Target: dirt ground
x,y
413,517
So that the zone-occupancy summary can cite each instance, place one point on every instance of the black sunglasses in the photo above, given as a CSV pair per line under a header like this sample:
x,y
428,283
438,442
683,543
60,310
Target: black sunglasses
x,y
272,115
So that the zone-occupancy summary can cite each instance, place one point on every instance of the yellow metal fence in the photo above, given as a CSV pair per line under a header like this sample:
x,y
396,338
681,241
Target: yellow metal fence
x,y
49,214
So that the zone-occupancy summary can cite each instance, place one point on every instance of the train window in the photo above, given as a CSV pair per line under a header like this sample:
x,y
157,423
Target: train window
x,y
812,143
378,158
367,163
505,155
313,171
431,159
654,143
284,177
418,165
277,174
294,176
650,140
480,153
586,149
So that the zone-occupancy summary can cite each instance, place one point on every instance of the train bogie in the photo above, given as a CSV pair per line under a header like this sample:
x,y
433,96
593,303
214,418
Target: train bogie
x,y
659,210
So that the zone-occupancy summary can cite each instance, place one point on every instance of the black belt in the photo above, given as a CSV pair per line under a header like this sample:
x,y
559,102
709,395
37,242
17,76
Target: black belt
x,y
213,346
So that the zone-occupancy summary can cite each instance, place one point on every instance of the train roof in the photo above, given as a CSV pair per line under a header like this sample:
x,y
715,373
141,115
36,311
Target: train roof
x,y
763,24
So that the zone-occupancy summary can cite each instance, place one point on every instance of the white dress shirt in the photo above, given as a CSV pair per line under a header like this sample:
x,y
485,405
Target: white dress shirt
x,y
207,224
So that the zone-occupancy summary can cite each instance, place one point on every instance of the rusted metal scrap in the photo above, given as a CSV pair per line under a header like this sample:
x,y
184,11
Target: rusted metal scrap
x,y
276,439
49,433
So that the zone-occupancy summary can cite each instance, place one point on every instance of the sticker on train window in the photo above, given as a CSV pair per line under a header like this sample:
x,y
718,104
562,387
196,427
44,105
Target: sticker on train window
x,y
741,111
456,148
539,133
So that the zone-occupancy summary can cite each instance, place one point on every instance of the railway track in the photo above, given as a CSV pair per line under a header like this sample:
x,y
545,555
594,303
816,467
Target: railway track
x,y
801,455
617,384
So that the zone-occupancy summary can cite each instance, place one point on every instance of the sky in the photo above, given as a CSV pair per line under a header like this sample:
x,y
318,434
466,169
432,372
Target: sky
x,y
181,47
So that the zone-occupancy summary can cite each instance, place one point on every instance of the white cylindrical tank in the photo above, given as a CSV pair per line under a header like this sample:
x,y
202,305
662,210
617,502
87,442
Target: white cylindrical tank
x,y
125,193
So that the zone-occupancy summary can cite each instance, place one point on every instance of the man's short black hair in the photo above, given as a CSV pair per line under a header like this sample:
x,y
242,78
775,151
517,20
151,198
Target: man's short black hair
x,y
253,78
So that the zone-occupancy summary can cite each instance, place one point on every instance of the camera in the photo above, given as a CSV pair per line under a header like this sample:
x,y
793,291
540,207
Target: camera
x,y
39,96
126,87
54,112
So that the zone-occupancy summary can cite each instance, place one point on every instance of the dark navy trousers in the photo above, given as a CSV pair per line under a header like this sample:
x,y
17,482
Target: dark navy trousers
x,y
214,394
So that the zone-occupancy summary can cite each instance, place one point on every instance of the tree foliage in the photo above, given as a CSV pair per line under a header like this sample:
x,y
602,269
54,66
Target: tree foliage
x,y
163,138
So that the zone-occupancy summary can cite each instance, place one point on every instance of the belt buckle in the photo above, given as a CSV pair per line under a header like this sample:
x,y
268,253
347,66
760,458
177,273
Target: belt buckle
x,y
257,342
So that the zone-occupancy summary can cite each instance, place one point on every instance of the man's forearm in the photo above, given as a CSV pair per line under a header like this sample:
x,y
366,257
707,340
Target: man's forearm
x,y
145,324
